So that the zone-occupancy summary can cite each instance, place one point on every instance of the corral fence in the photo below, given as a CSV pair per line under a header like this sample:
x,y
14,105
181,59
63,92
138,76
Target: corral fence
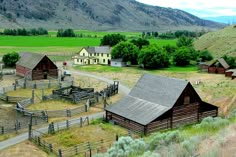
x,y
86,149
21,122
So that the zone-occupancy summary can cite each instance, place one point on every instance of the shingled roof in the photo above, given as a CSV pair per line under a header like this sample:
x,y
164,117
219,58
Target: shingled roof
x,y
222,62
30,60
151,97
98,49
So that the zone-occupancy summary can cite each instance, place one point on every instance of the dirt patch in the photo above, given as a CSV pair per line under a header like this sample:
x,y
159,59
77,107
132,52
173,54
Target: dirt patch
x,y
24,149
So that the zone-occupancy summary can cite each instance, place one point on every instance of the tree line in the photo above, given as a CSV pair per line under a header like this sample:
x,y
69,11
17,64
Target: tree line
x,y
25,32
139,51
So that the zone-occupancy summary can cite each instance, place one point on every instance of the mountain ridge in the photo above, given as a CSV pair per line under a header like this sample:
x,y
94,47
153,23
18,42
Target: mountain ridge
x,y
123,15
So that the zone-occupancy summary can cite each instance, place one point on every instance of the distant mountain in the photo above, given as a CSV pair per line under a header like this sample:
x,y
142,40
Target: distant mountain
x,y
223,19
219,43
119,15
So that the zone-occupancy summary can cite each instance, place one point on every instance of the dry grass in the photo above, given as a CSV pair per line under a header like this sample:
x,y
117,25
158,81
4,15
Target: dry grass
x,y
24,149
77,135
28,92
53,105
219,43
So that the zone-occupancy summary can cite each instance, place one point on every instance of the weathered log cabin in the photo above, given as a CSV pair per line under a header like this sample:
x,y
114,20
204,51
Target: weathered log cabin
x,y
35,66
219,66
157,103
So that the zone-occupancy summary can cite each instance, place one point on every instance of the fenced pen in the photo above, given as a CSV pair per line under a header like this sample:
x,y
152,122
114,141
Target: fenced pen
x,y
65,90
86,149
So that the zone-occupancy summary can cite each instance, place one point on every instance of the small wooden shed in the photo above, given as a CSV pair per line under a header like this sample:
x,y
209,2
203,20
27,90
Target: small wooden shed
x,y
158,102
35,66
219,66
231,73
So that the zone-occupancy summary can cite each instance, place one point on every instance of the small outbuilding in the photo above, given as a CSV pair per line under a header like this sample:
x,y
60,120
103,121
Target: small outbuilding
x,y
219,66
157,103
36,66
118,63
231,73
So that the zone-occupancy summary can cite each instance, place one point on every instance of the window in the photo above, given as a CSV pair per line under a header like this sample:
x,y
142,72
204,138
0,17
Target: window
x,y
77,60
94,54
186,100
97,54
107,55
83,54
90,54
102,54
104,60
81,60
95,61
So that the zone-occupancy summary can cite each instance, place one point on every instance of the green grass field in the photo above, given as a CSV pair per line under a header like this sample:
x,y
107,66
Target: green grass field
x,y
48,44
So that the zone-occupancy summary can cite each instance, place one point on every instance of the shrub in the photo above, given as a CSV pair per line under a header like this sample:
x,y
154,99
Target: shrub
x,y
125,146
161,139
212,124
150,154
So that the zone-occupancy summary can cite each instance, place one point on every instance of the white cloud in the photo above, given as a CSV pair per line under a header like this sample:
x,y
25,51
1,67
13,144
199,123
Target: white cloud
x,y
201,8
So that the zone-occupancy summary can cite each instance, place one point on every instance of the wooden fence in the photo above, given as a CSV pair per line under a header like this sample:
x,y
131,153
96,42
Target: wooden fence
x,y
83,149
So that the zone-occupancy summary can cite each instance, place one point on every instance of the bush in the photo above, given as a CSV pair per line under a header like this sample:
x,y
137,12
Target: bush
x,y
164,139
212,124
10,59
124,147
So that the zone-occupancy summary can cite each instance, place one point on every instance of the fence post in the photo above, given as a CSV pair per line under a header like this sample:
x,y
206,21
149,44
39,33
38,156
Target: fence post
x,y
35,85
81,121
39,141
90,150
30,132
67,124
59,153
2,130
14,86
50,147
32,96
76,150
43,94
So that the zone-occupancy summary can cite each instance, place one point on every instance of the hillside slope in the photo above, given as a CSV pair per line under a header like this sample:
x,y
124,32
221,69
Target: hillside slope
x,y
219,42
120,15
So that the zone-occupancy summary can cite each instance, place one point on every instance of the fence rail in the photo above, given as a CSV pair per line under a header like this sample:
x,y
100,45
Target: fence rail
x,y
83,149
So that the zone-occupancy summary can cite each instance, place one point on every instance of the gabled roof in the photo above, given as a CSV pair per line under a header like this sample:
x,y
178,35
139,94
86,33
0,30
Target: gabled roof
x,y
150,98
233,71
98,49
30,60
222,62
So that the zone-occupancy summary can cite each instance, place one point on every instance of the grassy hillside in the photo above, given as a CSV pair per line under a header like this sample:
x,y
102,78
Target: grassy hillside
x,y
219,42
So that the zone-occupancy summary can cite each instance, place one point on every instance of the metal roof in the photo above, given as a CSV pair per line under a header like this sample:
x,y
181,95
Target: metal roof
x,y
151,97
233,71
222,62
98,49
30,60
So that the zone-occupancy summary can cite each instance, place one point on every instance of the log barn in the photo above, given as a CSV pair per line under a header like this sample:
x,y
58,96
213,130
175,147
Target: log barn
x,y
219,66
35,66
157,103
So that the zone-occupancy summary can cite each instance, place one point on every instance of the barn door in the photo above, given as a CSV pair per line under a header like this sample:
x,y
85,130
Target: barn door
x,y
185,114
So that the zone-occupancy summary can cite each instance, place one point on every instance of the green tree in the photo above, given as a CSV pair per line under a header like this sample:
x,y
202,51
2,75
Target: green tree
x,y
169,49
205,55
112,39
125,50
65,33
182,56
140,42
230,60
10,59
152,57
184,41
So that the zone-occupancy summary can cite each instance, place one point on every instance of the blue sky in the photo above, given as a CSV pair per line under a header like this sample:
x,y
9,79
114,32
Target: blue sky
x,y
200,8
